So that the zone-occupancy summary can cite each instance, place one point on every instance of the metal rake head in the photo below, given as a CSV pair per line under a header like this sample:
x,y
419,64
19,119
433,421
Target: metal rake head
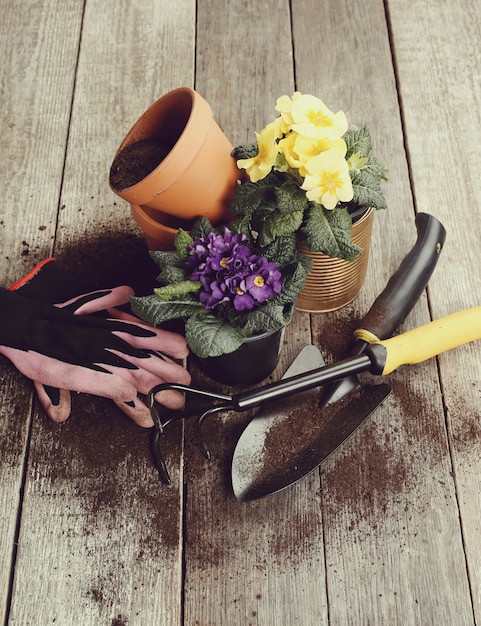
x,y
161,423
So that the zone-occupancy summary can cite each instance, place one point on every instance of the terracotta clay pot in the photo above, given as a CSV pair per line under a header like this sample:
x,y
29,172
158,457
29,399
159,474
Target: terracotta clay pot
x,y
332,283
159,229
196,175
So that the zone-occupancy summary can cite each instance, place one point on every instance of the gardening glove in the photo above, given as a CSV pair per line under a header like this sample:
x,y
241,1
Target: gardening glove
x,y
48,282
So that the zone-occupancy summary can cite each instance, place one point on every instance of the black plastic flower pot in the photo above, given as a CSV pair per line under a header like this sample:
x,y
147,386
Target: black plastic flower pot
x,y
256,358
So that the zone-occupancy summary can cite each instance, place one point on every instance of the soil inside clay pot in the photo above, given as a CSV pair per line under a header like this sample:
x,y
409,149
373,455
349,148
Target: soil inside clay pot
x,y
136,161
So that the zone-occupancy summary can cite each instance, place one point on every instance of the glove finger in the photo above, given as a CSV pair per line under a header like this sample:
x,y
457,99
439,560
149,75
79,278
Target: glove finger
x,y
166,341
96,301
117,383
139,413
53,373
144,380
157,364
55,401
57,404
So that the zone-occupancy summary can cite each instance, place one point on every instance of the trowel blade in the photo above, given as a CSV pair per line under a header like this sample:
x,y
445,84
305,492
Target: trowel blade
x,y
291,438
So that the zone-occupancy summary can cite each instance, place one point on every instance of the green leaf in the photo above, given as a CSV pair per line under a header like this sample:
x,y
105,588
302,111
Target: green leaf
x,y
210,336
290,198
330,232
367,190
242,225
294,282
278,224
201,228
171,274
245,152
376,168
155,311
182,241
177,290
266,318
165,259
282,250
358,141
248,197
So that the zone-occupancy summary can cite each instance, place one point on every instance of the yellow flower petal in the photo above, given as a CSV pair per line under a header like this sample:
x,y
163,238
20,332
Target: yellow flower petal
x,y
284,106
287,148
312,118
308,148
260,165
327,181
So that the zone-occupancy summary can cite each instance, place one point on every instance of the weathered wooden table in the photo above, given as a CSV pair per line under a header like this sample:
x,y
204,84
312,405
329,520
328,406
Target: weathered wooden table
x,y
388,532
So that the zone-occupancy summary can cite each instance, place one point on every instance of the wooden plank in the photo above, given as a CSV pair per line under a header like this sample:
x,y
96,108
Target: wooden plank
x,y
260,562
100,541
37,81
14,427
439,62
393,543
37,72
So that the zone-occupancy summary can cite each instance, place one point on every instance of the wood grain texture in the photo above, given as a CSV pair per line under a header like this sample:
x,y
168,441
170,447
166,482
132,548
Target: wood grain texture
x,y
240,567
39,54
388,531
438,65
373,518
37,73
102,545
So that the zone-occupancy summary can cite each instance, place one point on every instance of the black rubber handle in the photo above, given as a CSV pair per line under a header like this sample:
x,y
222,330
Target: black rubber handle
x,y
406,285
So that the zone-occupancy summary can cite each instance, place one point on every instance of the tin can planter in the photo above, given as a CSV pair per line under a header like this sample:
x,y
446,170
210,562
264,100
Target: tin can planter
x,y
256,358
177,160
333,283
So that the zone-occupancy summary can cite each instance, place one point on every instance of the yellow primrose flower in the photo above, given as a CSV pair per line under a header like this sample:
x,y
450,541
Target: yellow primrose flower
x,y
313,119
327,181
284,106
259,166
307,148
287,148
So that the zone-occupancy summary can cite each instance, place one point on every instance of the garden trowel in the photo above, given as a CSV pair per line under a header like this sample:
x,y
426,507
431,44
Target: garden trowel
x,y
273,452
283,447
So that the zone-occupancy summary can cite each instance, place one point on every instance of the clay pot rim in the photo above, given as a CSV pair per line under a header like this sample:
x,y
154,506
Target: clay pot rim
x,y
193,135
154,224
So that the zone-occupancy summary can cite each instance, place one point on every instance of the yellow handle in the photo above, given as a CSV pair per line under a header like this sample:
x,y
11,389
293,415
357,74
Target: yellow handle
x,y
422,343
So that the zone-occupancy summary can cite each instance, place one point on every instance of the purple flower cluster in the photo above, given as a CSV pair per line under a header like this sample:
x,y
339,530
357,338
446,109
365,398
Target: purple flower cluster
x,y
230,273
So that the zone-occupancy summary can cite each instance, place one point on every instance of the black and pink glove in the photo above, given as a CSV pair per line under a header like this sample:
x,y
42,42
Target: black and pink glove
x,y
65,347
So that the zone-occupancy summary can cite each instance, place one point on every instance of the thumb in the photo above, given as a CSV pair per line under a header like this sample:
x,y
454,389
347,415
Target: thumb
x,y
56,402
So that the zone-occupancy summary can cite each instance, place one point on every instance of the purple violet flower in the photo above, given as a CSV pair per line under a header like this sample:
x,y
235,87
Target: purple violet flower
x,y
230,273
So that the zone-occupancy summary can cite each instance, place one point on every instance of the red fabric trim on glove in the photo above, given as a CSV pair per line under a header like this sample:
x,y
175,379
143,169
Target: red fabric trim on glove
x,y
28,277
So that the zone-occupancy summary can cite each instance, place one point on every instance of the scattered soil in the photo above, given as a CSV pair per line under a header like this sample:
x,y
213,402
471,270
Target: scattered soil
x,y
98,452
375,473
336,334
137,161
105,459
109,259
303,435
